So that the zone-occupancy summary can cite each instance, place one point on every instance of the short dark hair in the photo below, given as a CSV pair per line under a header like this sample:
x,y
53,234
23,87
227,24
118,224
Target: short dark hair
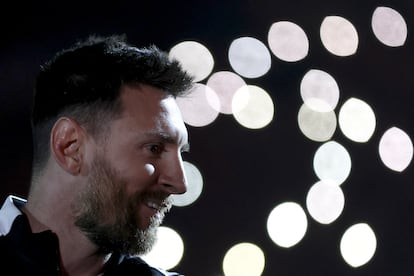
x,y
84,82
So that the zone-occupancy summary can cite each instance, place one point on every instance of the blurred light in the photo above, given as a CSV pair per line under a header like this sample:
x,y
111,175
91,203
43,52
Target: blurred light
x,y
249,57
195,58
167,251
357,120
396,149
252,107
319,90
325,201
225,84
287,224
389,26
288,41
317,126
199,108
194,186
332,162
339,36
358,244
244,259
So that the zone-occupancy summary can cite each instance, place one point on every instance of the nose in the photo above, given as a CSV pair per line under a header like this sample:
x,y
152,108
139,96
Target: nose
x,y
173,177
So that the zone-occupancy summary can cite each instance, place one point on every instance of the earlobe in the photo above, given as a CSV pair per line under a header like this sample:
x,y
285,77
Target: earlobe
x,y
66,144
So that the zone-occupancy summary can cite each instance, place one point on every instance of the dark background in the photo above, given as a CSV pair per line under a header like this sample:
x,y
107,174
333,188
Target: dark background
x,y
246,172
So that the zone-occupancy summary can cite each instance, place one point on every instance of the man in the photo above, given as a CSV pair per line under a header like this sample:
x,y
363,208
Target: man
x,y
108,137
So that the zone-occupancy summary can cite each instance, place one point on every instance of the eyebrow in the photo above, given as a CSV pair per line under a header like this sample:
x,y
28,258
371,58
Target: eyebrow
x,y
167,138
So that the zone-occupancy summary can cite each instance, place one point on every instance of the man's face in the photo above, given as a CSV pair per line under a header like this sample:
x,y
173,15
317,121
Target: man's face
x,y
133,172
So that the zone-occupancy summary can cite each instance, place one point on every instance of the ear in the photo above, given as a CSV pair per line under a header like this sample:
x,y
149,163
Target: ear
x,y
67,143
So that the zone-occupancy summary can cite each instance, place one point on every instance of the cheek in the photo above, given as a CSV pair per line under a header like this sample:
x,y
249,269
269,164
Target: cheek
x,y
138,180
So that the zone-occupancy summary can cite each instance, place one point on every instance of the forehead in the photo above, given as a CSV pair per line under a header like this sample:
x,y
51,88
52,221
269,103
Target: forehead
x,y
149,108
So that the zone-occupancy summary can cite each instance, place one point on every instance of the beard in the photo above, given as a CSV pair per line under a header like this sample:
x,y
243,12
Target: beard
x,y
109,216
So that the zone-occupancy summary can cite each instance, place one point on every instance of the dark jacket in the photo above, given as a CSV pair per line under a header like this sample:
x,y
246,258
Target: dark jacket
x,y
25,253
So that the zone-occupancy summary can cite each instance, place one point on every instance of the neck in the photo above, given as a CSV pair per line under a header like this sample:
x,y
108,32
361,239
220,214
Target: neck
x,y
79,256
35,224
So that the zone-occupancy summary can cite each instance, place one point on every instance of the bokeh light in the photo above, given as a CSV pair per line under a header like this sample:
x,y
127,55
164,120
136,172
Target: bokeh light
x,y
288,41
244,259
252,107
396,149
317,126
249,57
194,186
287,224
339,36
357,120
225,84
332,162
389,26
200,107
319,90
167,251
195,58
358,244
325,201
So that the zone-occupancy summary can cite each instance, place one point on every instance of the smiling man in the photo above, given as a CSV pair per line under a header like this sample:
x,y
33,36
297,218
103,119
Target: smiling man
x,y
108,137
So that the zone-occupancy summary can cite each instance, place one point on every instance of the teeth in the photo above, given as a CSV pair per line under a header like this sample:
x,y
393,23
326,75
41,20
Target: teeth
x,y
153,205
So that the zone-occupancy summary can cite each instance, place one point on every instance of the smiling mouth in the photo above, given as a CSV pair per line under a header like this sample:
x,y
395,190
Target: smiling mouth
x,y
154,205
157,205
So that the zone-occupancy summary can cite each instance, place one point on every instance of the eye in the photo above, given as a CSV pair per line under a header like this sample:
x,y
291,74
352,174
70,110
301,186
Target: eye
x,y
155,148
